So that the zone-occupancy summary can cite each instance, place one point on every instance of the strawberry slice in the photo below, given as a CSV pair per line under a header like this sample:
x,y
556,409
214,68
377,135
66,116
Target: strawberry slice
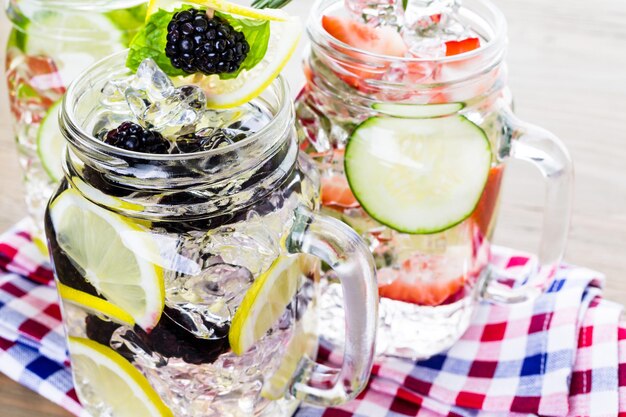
x,y
423,279
378,40
484,212
460,47
336,192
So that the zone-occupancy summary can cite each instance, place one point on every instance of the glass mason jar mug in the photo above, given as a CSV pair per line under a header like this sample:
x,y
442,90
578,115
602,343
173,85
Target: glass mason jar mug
x,y
412,152
189,282
51,42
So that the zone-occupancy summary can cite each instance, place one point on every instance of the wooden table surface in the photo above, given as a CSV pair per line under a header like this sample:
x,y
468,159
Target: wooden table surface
x,y
567,61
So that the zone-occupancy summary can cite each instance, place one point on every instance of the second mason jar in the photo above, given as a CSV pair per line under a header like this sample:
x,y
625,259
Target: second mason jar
x,y
188,282
412,136
49,45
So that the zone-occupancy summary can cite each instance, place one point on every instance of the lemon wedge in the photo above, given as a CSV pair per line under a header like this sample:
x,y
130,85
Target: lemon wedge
x,y
94,304
101,244
264,303
100,371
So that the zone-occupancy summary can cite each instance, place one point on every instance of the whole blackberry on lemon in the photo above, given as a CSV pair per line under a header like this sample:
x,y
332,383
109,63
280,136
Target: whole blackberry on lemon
x,y
199,43
231,51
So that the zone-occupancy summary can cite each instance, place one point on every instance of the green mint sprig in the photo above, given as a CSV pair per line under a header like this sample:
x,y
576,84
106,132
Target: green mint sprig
x,y
257,34
270,4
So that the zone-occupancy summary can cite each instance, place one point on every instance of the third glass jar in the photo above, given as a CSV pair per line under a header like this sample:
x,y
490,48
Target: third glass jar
x,y
412,152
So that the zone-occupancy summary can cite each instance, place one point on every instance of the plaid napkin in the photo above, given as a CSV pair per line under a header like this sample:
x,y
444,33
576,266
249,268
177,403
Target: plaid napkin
x,y
564,354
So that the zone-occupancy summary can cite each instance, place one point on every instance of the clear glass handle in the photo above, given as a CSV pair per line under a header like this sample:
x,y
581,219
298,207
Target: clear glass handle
x,y
545,151
344,251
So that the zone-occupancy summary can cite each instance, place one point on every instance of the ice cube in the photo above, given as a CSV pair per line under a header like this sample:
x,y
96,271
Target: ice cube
x,y
376,12
203,140
171,116
137,103
175,115
428,24
126,342
204,303
114,93
423,14
153,81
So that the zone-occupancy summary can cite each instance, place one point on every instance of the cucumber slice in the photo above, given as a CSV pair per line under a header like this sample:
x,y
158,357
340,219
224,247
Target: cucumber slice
x,y
50,143
417,111
418,176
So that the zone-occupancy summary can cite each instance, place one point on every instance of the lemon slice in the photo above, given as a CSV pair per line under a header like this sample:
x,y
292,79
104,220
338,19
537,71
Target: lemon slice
x,y
101,372
94,304
98,242
264,303
284,36
302,343
223,94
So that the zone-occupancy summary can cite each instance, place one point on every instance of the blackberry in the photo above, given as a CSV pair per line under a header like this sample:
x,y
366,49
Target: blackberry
x,y
132,137
197,43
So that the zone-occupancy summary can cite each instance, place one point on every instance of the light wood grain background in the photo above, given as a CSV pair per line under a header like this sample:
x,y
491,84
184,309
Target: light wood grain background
x,y
567,62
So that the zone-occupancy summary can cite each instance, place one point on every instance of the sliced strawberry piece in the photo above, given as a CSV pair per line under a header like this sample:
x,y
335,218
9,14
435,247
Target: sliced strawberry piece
x,y
424,279
485,210
426,294
44,74
336,192
460,47
377,40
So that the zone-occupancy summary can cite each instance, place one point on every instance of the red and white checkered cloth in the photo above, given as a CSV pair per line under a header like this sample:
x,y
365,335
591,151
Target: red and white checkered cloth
x,y
564,354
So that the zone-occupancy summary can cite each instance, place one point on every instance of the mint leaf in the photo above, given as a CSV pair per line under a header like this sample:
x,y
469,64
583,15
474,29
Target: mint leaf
x,y
150,43
270,4
257,34
151,40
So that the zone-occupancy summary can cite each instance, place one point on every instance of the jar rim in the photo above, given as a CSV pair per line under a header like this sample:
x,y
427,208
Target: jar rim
x,y
317,34
115,64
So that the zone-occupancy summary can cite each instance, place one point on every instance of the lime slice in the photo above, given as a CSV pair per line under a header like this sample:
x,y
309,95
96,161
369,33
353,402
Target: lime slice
x,y
418,175
264,303
72,57
301,344
50,143
105,247
94,304
103,375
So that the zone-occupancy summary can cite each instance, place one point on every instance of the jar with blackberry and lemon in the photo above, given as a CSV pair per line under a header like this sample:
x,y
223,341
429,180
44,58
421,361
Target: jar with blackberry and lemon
x,y
184,235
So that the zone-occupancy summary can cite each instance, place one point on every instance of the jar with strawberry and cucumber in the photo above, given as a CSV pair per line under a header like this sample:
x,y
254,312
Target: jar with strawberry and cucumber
x,y
49,45
407,113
